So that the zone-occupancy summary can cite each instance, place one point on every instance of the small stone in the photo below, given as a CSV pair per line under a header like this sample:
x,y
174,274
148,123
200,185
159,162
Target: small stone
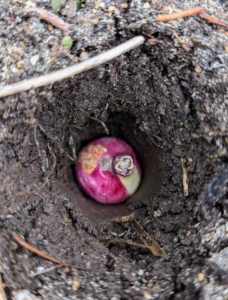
x,y
5,114
124,5
95,21
75,284
40,269
140,272
14,70
146,5
84,56
146,295
23,295
20,64
111,8
226,226
4,4
200,277
198,69
157,213
50,27
34,59
152,42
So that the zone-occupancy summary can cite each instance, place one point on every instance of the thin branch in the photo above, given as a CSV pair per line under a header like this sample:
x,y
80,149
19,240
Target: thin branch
x,y
213,20
182,14
49,17
42,254
73,70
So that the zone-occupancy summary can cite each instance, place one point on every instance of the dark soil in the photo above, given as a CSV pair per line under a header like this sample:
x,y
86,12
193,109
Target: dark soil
x,y
171,106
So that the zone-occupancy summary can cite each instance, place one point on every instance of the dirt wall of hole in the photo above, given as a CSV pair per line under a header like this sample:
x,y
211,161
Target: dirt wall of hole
x,y
158,91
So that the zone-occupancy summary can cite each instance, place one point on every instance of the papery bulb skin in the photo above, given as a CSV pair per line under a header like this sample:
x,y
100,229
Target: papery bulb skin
x,y
108,170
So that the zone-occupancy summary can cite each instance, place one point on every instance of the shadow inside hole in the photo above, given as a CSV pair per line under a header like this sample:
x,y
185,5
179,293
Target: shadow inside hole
x,y
151,160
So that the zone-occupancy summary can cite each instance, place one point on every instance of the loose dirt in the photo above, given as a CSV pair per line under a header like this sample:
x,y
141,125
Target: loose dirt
x,y
169,104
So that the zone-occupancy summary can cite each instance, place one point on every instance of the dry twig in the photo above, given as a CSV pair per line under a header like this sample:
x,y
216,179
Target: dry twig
x,y
182,14
183,45
73,70
44,255
213,20
49,17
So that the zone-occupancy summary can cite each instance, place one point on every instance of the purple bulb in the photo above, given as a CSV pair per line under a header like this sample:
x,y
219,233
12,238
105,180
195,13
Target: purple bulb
x,y
108,170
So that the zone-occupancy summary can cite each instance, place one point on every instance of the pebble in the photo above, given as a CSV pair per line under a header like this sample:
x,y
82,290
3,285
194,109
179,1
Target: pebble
x,y
34,59
140,272
146,295
40,269
84,56
23,295
4,4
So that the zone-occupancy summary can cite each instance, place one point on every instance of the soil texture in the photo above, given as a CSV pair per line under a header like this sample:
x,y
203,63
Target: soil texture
x,y
169,104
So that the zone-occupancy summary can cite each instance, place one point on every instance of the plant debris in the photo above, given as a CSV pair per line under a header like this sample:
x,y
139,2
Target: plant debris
x,y
148,242
73,70
182,14
184,178
213,20
49,17
44,255
183,45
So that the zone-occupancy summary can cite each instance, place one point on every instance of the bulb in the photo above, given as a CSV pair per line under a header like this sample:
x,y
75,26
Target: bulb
x,y
108,170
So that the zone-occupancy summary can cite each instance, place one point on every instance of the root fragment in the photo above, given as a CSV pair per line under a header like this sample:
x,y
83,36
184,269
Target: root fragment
x,y
182,14
183,45
213,20
148,242
49,17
